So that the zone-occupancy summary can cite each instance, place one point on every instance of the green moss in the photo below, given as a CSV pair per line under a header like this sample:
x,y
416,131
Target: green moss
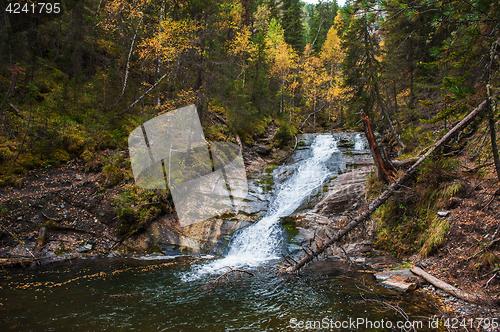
x,y
6,154
186,250
285,135
435,236
407,221
74,142
402,265
271,168
112,174
4,210
116,169
216,133
227,216
289,224
59,156
267,182
136,208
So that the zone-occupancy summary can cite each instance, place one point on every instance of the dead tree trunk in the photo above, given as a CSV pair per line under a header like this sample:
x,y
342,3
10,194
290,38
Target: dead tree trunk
x,y
383,173
127,66
143,95
493,136
447,287
387,193
491,118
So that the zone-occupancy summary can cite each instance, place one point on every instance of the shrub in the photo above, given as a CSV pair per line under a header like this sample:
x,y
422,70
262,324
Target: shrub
x,y
284,135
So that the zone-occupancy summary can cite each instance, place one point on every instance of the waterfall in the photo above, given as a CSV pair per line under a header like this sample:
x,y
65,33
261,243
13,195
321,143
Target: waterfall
x,y
359,143
262,241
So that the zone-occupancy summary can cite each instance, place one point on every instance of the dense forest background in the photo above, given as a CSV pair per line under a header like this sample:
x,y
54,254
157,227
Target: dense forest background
x,y
78,82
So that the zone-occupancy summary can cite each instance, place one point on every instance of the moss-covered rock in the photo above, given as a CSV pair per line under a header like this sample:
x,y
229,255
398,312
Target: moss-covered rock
x,y
59,156
73,143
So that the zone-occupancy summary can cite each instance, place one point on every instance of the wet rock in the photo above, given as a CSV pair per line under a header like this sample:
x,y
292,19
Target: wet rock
x,y
398,279
84,247
443,214
344,196
207,235
262,149
306,234
343,192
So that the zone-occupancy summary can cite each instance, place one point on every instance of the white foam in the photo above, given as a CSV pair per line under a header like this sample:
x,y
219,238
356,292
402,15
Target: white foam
x,y
261,242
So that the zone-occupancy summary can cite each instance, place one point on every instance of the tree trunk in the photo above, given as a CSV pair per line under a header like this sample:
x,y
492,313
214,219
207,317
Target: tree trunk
x,y
491,117
412,95
157,76
405,163
387,193
493,135
127,66
382,171
447,287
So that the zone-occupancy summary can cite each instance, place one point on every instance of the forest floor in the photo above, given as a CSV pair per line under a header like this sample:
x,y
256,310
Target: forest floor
x,y
468,258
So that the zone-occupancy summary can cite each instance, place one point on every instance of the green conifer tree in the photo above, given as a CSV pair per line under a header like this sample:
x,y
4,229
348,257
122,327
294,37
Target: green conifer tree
x,y
291,22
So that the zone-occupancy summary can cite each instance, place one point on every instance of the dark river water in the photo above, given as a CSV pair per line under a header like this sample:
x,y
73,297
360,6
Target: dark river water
x,y
118,294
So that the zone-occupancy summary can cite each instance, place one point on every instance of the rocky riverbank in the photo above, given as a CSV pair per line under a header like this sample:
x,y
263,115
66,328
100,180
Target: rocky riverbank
x,y
71,211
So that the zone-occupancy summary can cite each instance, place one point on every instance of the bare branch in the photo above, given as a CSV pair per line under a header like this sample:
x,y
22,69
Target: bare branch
x,y
144,95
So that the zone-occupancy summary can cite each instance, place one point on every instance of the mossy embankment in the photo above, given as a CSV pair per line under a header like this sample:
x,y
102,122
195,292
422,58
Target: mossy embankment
x,y
446,218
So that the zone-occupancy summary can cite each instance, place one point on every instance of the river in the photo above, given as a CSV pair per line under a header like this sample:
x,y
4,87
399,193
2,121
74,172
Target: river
x,y
179,293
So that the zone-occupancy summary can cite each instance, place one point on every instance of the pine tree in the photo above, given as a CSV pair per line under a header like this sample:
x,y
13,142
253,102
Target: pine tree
x,y
322,19
291,22
361,65
408,39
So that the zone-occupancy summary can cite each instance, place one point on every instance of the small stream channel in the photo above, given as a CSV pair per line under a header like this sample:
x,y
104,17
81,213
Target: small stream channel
x,y
177,293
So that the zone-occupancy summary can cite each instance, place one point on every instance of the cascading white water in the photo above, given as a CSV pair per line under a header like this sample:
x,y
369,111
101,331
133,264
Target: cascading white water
x,y
359,143
261,241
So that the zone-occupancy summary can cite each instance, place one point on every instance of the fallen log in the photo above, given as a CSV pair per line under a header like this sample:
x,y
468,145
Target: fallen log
x,y
387,193
448,288
474,169
405,163
18,112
